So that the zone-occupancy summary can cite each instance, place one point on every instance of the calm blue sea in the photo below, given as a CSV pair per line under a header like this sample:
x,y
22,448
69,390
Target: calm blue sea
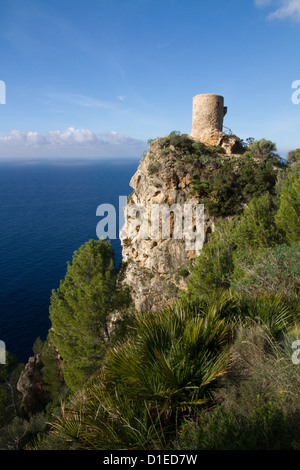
x,y
47,210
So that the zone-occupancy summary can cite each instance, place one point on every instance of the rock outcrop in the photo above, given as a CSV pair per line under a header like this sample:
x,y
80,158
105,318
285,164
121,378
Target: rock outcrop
x,y
31,386
156,267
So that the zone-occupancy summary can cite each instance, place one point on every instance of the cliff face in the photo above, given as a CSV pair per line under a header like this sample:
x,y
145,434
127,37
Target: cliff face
x,y
156,266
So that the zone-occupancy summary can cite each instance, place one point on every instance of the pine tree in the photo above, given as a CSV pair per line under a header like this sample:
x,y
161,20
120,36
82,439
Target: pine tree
x,y
80,311
288,215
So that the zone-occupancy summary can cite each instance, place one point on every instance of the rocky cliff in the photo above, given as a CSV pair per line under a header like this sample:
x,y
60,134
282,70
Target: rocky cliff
x,y
157,266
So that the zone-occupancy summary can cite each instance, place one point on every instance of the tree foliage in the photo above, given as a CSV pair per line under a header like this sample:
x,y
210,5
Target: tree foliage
x,y
288,215
215,264
293,155
80,310
256,227
263,149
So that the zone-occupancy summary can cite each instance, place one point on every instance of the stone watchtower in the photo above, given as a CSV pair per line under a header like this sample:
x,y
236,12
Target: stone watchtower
x,y
208,115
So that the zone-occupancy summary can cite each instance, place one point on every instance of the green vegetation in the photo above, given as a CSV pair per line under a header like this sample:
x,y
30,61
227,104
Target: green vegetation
x,y
274,270
288,216
153,168
225,183
211,371
257,404
293,156
81,308
187,145
9,399
173,359
242,245
237,181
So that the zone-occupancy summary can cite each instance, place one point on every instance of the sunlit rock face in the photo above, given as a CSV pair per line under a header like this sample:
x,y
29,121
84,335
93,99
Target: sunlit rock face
x,y
155,250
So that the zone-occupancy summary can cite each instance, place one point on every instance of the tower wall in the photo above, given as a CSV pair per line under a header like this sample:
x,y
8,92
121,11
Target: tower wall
x,y
208,115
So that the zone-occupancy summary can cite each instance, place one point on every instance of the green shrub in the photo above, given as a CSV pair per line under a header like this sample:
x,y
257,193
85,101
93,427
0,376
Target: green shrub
x,y
153,168
178,140
183,272
189,149
293,155
20,432
273,270
241,236
235,183
257,404
261,371
265,428
288,215
263,149
256,228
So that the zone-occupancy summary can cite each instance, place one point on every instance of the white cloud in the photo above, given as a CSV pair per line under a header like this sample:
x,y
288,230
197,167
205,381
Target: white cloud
x,y
283,8
70,142
288,9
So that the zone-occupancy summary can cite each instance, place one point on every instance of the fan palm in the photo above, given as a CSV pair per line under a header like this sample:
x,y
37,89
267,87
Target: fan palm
x,y
175,356
151,380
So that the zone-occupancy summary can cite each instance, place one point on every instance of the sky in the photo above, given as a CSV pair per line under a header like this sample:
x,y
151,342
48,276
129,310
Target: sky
x,y
98,78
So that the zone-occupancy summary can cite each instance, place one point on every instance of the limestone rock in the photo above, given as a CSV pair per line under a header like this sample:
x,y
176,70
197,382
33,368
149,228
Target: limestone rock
x,y
157,267
32,387
231,143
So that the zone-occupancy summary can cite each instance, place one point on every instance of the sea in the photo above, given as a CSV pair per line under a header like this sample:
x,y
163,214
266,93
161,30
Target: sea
x,y
47,211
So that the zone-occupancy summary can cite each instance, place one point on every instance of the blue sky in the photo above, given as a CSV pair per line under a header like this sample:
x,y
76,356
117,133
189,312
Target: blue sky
x,y
98,78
